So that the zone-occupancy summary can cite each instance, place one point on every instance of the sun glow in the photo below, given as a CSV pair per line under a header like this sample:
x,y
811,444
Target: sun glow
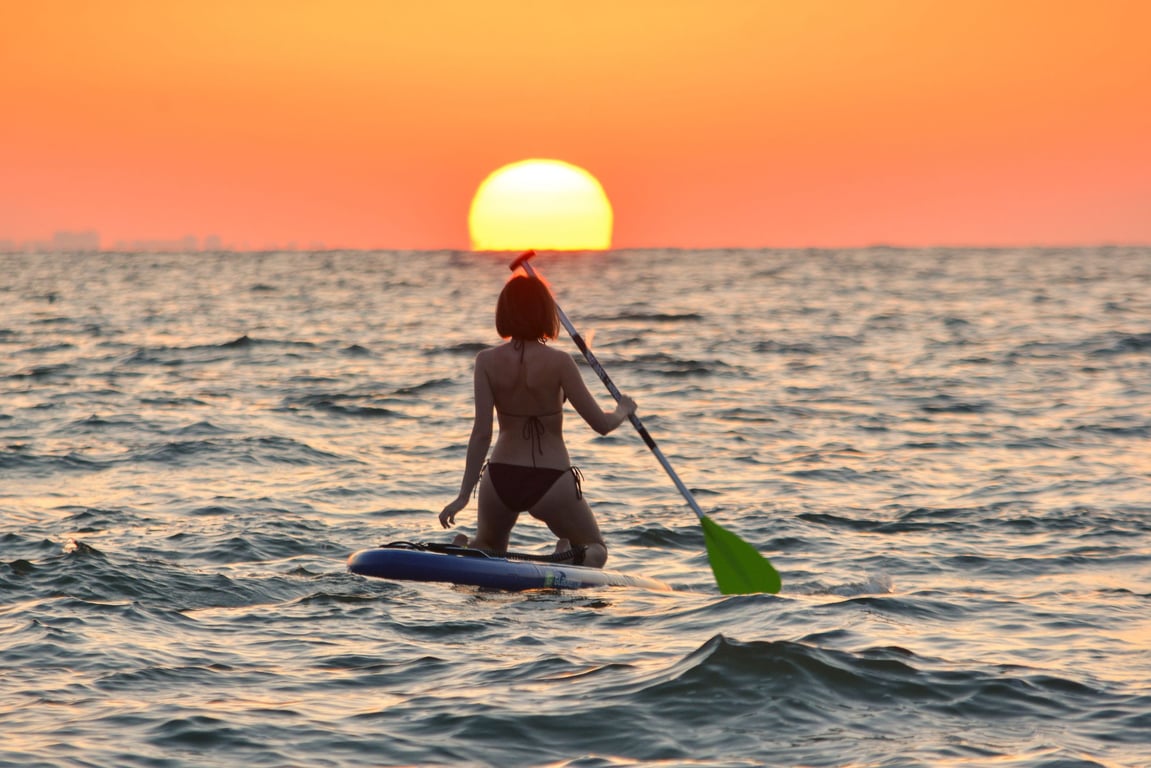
x,y
546,204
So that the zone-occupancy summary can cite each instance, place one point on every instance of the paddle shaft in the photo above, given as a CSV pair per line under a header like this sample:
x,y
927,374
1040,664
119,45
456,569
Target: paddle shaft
x,y
523,262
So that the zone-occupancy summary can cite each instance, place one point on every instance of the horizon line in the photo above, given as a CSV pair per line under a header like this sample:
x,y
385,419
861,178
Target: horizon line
x,y
991,246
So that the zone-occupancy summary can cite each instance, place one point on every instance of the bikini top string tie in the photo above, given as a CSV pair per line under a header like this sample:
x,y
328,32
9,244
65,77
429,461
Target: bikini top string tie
x,y
534,431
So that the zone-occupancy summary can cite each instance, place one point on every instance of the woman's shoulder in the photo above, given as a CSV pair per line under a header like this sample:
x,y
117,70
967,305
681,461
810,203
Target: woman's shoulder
x,y
562,363
485,357
557,355
487,353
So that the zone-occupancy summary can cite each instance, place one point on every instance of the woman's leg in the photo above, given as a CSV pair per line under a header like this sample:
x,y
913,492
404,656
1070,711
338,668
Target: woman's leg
x,y
494,521
569,517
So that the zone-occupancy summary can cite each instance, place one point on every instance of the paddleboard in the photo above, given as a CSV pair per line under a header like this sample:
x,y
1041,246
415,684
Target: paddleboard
x,y
404,561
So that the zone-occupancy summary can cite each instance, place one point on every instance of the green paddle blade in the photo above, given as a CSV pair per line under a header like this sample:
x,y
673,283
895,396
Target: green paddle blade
x,y
739,568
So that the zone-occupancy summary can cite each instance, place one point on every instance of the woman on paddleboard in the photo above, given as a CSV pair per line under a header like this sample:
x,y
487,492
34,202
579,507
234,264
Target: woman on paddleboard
x,y
525,382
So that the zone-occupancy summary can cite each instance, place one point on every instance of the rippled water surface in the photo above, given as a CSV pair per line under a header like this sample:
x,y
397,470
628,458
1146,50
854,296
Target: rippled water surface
x,y
946,454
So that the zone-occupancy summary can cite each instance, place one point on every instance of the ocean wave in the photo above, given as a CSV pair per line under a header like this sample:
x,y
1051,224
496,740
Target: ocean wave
x,y
47,464
244,450
1142,430
759,675
654,317
340,405
424,386
247,342
165,355
469,349
355,350
663,364
772,347
45,372
1119,343
843,475
720,698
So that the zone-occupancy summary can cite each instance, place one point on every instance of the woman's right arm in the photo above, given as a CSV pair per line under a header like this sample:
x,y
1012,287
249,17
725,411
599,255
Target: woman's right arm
x,y
585,403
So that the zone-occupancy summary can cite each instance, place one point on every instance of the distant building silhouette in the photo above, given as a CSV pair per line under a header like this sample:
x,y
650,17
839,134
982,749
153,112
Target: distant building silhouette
x,y
186,244
88,241
76,242
64,241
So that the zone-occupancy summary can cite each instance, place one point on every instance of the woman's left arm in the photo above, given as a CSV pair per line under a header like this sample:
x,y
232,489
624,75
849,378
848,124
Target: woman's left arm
x,y
478,444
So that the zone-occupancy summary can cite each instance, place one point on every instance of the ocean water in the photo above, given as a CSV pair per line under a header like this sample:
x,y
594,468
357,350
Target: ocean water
x,y
946,454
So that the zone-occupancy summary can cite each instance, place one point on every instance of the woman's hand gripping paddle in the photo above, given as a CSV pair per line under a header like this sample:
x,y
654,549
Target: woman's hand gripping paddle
x,y
739,569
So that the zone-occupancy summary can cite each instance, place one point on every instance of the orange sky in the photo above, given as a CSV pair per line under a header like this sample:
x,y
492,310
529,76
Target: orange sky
x,y
710,123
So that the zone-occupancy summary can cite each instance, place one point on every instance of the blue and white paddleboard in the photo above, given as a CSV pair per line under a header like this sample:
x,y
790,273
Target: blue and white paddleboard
x,y
474,567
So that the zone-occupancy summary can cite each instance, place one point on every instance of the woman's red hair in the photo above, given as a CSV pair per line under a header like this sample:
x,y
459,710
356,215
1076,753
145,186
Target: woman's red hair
x,y
527,310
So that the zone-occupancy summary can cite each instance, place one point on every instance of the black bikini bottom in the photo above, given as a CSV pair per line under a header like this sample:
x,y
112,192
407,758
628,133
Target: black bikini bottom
x,y
520,488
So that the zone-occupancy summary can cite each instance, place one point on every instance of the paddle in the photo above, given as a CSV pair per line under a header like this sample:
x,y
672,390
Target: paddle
x,y
739,568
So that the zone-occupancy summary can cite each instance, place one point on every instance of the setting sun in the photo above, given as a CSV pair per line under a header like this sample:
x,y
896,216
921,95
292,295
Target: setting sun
x,y
545,204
